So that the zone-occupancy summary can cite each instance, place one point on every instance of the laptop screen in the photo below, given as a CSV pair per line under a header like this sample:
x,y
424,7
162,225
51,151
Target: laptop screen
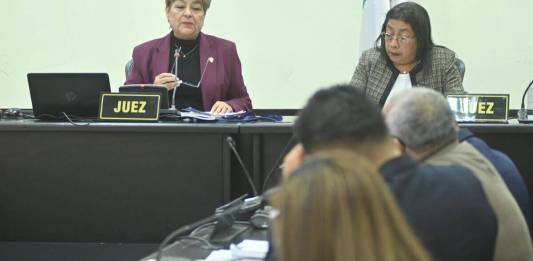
x,y
75,94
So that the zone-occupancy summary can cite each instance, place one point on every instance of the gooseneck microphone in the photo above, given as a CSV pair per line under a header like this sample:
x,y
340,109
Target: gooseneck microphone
x,y
234,207
288,145
231,143
175,72
522,113
181,231
180,82
177,52
239,205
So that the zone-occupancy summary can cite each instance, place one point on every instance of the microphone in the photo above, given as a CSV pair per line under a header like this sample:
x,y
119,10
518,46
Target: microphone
x,y
522,113
239,205
180,82
177,52
224,214
278,161
232,145
174,71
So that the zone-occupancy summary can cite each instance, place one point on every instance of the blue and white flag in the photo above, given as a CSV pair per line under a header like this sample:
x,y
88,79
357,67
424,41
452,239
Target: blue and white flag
x,y
395,2
373,15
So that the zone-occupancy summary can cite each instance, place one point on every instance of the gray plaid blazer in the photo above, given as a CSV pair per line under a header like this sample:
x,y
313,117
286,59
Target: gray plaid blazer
x,y
375,75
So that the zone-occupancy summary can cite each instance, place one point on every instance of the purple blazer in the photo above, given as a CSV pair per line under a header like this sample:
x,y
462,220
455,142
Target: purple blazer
x,y
222,80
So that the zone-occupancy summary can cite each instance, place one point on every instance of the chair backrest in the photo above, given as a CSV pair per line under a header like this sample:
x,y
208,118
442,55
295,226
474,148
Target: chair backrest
x,y
460,66
129,66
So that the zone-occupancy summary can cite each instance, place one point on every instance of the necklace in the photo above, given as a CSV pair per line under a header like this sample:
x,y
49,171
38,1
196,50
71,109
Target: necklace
x,y
184,55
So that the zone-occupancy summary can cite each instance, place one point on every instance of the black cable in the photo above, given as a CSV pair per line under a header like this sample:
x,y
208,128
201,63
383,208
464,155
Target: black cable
x,y
200,228
524,96
231,144
180,231
55,117
228,209
277,162
208,245
28,116
74,123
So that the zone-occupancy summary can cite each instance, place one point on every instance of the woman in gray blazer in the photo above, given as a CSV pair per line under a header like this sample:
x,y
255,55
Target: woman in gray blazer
x,y
405,57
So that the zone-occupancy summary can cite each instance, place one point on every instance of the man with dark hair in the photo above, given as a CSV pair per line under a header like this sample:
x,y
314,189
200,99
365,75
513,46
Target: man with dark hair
x,y
325,122
422,119
445,205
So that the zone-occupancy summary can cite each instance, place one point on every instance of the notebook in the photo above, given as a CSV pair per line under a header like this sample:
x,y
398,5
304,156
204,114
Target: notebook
x,y
75,94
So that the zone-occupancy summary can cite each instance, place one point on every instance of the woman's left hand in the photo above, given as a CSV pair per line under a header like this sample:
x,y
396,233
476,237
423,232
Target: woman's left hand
x,y
221,107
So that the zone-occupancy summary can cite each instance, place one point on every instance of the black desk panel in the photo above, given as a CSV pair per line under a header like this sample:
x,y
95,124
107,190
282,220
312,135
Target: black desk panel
x,y
515,140
266,143
109,182
50,251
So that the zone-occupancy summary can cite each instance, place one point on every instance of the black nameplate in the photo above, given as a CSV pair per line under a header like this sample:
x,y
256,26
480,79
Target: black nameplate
x,y
480,107
129,107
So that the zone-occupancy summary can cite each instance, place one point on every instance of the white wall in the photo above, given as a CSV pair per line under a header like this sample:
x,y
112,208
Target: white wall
x,y
288,48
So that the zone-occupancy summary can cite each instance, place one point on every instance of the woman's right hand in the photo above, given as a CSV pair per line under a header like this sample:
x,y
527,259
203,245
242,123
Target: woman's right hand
x,y
167,79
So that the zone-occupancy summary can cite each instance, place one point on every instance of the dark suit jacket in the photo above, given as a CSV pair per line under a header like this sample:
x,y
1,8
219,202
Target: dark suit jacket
x,y
222,80
446,208
507,169
512,241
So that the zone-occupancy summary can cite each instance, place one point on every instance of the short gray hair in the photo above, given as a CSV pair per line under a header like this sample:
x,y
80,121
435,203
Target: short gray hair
x,y
421,118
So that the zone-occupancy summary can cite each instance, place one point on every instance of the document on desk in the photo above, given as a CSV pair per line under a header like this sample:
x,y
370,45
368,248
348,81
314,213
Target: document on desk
x,y
209,116
220,255
252,250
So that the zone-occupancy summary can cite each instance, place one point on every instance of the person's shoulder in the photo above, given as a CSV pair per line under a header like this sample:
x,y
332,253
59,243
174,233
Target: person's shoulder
x,y
372,54
454,175
438,170
442,176
442,53
152,43
218,41
478,143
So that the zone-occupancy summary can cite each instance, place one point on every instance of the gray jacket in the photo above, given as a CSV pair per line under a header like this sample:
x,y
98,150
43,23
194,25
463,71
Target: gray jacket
x,y
375,75
513,241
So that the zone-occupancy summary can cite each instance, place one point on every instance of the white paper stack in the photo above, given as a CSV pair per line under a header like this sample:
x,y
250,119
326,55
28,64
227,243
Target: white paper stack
x,y
247,250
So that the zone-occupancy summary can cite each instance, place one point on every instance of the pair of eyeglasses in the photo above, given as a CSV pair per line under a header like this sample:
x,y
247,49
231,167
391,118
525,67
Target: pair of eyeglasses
x,y
402,39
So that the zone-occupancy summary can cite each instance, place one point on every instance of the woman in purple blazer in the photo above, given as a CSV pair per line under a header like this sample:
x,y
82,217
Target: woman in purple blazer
x,y
220,90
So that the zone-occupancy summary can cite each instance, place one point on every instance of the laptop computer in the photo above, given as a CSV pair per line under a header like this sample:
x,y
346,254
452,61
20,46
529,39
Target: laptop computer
x,y
75,94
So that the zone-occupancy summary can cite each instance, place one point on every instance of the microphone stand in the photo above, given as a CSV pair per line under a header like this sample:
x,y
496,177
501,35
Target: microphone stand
x,y
224,217
176,57
232,145
522,113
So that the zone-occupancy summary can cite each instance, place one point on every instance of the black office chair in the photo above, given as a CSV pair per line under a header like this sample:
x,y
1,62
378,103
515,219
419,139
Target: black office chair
x,y
460,66
129,67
